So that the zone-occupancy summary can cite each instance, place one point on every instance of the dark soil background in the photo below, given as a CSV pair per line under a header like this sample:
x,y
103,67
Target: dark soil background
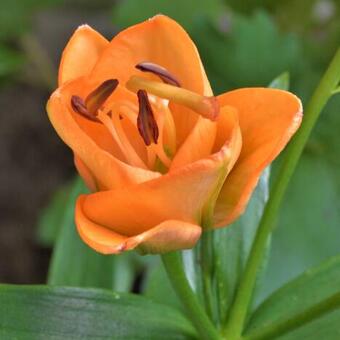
x,y
33,160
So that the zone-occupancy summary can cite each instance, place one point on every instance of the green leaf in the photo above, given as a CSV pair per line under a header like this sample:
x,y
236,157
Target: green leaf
x,y
308,227
281,82
130,12
304,299
42,312
157,287
10,61
15,16
240,51
51,218
75,264
232,246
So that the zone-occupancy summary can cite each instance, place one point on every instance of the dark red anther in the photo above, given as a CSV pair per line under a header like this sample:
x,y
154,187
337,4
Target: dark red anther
x,y
78,105
110,115
98,97
160,71
93,102
146,123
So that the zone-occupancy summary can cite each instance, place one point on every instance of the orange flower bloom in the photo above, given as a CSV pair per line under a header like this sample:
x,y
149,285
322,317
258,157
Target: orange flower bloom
x,y
160,152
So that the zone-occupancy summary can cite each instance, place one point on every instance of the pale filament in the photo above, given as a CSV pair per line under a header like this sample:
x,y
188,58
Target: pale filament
x,y
153,150
129,110
125,110
120,138
169,126
159,148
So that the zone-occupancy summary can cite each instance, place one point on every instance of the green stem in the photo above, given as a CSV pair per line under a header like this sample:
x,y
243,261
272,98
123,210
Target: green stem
x,y
337,90
281,327
174,268
323,92
206,257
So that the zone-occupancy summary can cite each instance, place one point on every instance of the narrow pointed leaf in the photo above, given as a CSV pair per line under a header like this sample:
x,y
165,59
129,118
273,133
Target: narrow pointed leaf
x,y
75,264
309,302
58,313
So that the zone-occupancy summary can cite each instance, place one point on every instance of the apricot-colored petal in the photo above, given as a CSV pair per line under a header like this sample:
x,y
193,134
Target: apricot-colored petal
x,y
108,171
197,145
169,235
101,239
268,119
162,41
183,194
185,120
81,53
159,40
85,174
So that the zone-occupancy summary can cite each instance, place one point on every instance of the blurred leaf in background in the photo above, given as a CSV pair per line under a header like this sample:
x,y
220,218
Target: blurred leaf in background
x,y
130,12
73,263
243,51
10,61
15,17
15,21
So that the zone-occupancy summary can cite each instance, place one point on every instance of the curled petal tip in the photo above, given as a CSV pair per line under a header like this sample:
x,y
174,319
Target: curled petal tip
x,y
211,108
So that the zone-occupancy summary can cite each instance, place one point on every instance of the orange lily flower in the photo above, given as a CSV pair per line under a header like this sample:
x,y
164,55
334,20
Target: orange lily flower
x,y
160,153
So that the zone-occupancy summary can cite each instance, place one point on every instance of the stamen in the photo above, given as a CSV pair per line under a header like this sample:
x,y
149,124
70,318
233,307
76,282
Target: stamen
x,y
79,106
160,71
97,97
129,151
146,123
158,148
119,136
129,111
208,107
170,129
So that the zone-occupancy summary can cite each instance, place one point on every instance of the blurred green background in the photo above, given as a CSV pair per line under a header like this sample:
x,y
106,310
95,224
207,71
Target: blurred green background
x,y
242,43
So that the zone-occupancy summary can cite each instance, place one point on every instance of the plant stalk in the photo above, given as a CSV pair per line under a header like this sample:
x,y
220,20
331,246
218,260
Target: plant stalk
x,y
174,267
236,323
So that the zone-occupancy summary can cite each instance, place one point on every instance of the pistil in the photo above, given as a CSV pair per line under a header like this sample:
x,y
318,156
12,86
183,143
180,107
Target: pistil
x,y
208,107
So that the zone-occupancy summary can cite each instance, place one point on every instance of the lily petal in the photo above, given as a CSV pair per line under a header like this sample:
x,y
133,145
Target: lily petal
x,y
159,40
85,174
108,171
162,41
169,235
268,119
197,145
160,215
81,53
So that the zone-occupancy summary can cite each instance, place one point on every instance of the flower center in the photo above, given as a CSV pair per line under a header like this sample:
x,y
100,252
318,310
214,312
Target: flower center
x,y
152,117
